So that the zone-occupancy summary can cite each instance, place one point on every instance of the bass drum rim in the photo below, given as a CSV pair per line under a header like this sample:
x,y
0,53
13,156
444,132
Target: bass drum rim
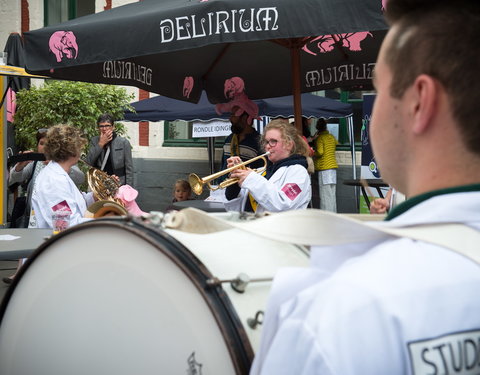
x,y
218,302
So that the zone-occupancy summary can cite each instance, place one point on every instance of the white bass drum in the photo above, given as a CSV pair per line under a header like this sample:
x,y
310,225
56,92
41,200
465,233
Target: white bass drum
x,y
118,297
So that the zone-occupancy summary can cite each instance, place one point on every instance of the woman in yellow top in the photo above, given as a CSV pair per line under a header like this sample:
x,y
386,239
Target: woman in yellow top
x,y
326,166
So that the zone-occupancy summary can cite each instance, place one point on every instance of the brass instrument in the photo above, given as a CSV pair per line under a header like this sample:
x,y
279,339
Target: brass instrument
x,y
197,183
104,188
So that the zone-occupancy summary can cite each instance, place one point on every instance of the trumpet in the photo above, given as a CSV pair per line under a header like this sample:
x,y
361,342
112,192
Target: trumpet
x,y
197,183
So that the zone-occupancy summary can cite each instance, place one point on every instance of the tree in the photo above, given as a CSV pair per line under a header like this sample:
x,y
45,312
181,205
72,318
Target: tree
x,y
67,102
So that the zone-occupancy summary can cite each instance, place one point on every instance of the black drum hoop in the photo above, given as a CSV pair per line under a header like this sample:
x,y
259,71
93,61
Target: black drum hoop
x,y
236,339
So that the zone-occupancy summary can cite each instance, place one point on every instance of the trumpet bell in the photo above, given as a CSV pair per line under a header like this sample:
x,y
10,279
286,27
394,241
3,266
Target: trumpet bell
x,y
196,183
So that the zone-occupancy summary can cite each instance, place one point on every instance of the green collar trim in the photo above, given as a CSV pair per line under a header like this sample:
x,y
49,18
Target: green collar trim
x,y
409,203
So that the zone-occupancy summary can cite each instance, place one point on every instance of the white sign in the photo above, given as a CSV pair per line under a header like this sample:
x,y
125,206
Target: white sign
x,y
211,129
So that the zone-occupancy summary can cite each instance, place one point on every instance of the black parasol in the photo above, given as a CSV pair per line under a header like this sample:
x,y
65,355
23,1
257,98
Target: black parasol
x,y
178,48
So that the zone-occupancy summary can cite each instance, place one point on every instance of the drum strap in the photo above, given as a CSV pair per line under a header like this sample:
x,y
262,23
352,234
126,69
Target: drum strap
x,y
322,228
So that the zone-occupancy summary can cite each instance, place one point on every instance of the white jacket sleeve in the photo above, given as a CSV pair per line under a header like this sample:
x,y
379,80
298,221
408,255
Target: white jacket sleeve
x,y
289,188
295,351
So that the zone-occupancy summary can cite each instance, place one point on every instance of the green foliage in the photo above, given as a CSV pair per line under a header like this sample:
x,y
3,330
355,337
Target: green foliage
x,y
67,102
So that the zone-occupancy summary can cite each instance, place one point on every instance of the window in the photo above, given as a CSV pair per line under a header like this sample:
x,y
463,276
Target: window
x,y
57,11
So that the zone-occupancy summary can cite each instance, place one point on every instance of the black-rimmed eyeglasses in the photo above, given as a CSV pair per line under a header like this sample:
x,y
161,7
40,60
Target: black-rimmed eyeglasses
x,y
270,142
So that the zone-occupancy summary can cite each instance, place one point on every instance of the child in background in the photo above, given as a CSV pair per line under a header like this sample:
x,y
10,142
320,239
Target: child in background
x,y
182,191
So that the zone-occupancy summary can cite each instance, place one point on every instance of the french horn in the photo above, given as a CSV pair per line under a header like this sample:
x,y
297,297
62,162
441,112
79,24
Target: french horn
x,y
104,187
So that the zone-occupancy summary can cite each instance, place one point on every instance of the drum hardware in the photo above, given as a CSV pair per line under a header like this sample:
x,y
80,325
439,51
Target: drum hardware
x,y
197,183
168,270
239,284
255,321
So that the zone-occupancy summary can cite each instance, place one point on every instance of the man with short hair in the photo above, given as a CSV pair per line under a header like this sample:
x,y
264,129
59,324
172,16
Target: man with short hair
x,y
403,304
111,153
244,140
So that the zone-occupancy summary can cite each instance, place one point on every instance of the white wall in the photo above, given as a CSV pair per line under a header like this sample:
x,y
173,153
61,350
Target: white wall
x,y
9,20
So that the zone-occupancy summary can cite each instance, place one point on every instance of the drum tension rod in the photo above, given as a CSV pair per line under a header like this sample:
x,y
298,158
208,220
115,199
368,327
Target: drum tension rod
x,y
257,320
239,284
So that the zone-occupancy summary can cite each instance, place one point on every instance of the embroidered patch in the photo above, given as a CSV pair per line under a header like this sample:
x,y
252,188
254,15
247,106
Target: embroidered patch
x,y
291,191
62,206
456,353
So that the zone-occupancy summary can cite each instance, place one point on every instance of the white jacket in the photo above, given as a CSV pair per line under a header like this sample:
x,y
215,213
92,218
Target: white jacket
x,y
52,187
289,188
398,306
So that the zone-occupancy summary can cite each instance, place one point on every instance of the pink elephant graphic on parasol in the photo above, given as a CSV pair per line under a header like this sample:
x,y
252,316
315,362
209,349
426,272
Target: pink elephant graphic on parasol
x,y
326,43
188,84
63,44
234,89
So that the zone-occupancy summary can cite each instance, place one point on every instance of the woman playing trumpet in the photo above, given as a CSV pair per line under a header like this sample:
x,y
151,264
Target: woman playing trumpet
x,y
286,185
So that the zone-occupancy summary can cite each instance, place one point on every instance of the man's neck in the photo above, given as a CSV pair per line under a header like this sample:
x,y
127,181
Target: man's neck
x,y
248,129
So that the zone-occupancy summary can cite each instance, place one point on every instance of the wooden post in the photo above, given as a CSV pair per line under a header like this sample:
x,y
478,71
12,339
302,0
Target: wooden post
x,y
297,98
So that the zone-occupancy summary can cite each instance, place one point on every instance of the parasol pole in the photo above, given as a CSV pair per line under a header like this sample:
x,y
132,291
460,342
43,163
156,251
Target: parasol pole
x,y
297,97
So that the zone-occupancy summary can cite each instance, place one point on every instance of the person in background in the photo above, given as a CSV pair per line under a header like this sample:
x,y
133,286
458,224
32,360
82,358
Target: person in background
x,y
29,170
404,304
286,185
326,166
69,179
244,140
111,153
182,191
54,190
383,205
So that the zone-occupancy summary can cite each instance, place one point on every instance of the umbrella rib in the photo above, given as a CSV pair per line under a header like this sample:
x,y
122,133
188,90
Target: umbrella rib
x,y
215,62
289,43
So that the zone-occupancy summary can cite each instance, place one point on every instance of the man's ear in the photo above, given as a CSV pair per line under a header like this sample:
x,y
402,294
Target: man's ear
x,y
425,92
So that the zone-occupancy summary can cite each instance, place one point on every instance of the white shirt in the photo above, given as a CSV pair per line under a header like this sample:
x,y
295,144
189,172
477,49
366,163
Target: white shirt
x,y
53,186
399,306
288,188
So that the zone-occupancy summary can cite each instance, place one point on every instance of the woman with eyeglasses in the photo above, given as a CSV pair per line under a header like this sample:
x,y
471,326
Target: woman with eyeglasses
x,y
286,184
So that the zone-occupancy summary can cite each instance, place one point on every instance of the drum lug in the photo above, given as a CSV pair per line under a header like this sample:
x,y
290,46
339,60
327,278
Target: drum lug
x,y
257,320
239,284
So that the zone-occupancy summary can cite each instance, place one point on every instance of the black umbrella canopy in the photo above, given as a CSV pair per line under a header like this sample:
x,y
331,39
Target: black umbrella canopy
x,y
178,48
16,57
162,108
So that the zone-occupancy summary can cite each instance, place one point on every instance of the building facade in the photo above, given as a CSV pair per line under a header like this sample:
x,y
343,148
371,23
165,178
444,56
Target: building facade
x,y
162,152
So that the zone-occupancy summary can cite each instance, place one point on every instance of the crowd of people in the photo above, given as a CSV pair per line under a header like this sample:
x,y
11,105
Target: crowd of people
x,y
51,187
396,303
